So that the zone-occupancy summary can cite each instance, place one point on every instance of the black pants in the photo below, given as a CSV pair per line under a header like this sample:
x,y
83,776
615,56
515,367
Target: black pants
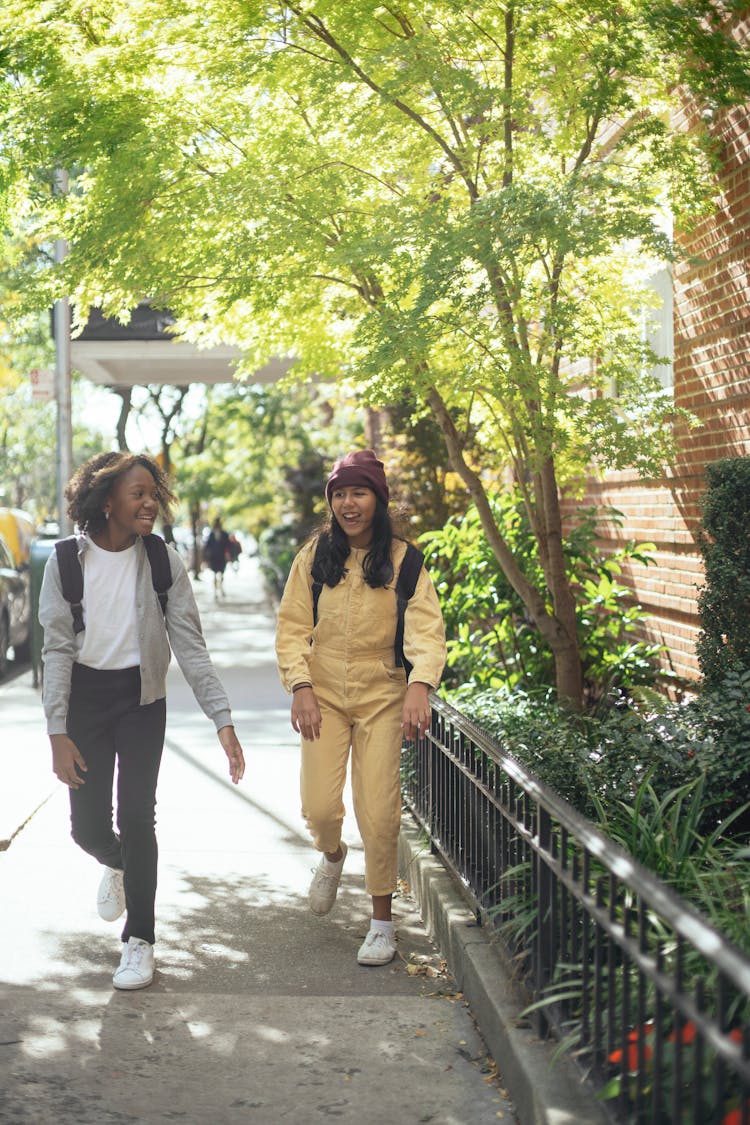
x,y
107,723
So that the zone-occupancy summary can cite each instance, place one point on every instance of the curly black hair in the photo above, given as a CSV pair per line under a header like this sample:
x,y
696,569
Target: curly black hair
x,y
91,484
378,565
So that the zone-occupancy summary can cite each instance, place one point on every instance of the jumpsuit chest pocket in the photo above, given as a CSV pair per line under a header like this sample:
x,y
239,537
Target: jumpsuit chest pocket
x,y
357,621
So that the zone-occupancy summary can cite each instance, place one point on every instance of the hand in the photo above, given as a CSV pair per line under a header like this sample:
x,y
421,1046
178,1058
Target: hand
x,y
306,718
67,761
416,714
233,751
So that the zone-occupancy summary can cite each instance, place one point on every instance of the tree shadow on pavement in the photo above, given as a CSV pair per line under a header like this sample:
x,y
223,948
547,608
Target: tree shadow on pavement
x,y
259,1012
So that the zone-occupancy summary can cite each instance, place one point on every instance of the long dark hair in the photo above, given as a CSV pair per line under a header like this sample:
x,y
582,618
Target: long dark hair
x,y
93,481
334,550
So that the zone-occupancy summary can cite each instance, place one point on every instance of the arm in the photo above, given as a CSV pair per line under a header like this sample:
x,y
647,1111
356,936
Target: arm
x,y
294,628
293,635
67,761
59,651
424,648
231,746
189,646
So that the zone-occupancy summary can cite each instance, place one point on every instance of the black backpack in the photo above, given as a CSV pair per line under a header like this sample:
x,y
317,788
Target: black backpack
x,y
71,574
406,584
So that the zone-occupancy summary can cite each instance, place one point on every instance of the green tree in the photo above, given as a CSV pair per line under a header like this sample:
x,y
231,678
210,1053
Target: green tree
x,y
453,203
249,453
724,600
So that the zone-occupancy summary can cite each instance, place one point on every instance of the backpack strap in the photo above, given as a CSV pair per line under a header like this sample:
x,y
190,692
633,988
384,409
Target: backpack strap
x,y
406,584
71,574
161,572
71,578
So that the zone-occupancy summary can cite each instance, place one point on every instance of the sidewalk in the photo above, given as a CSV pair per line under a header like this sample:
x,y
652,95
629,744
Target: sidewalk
x,y
259,1012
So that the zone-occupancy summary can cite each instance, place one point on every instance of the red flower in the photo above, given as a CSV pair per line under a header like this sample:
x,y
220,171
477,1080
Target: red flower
x,y
687,1034
734,1117
631,1054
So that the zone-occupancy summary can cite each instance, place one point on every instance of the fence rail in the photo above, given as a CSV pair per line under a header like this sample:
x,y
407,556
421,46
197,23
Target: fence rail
x,y
651,1000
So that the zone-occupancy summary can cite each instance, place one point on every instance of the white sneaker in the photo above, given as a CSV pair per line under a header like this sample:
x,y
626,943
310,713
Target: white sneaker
x,y
110,899
377,949
136,969
325,884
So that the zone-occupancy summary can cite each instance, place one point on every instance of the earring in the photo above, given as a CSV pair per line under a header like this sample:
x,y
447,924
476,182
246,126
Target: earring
x,y
106,515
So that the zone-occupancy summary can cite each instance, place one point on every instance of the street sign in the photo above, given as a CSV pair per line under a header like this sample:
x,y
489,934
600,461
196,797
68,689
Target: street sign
x,y
42,384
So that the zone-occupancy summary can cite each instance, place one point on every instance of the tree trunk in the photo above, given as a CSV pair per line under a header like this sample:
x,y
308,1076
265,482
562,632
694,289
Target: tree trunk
x,y
569,674
126,394
558,628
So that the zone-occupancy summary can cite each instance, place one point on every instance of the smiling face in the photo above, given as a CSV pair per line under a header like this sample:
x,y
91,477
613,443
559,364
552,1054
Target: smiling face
x,y
354,510
133,505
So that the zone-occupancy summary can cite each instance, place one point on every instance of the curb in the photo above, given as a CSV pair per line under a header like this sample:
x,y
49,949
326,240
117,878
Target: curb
x,y
543,1092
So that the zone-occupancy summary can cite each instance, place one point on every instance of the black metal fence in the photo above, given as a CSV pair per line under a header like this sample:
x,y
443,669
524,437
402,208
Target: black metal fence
x,y
649,998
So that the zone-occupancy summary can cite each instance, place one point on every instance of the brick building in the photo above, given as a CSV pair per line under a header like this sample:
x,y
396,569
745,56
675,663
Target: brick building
x,y
710,322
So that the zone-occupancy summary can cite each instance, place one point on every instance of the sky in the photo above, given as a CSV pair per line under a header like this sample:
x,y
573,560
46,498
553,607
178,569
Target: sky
x,y
99,408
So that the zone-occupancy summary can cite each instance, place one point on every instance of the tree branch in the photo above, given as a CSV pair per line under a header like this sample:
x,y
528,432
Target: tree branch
x,y
317,28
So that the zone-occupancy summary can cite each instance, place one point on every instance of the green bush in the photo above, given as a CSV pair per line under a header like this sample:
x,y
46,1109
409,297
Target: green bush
x,y
597,760
718,725
491,641
583,758
724,601
666,833
277,547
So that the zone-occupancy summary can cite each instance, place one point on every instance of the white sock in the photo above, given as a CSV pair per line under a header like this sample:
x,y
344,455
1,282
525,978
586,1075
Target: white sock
x,y
378,925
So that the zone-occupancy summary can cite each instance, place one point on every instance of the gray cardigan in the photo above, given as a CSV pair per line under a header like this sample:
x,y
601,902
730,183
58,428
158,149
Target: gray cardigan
x,y
183,632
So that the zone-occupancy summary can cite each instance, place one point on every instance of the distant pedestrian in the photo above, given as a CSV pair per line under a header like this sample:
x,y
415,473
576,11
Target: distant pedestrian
x,y
217,553
348,692
104,686
235,550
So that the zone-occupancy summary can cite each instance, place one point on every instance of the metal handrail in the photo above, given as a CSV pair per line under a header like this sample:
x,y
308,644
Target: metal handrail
x,y
484,812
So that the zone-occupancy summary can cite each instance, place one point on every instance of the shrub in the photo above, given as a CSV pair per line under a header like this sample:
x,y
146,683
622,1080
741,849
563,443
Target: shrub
x,y
597,760
492,643
724,601
598,757
277,547
718,725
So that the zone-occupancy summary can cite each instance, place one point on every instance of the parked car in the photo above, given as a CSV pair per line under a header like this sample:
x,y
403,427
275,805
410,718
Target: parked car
x,y
18,530
15,607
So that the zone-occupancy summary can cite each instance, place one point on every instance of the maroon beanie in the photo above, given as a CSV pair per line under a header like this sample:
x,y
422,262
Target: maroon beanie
x,y
359,467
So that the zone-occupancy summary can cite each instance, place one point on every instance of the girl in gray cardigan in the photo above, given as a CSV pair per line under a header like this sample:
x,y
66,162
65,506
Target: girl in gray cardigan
x,y
104,687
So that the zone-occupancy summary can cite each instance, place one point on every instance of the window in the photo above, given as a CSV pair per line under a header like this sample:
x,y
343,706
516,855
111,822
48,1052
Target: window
x,y
657,325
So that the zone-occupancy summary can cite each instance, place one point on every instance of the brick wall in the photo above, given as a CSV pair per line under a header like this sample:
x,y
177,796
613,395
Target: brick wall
x,y
712,380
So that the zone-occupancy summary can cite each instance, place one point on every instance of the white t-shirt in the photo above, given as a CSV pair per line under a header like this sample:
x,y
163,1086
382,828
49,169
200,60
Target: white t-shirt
x,y
110,637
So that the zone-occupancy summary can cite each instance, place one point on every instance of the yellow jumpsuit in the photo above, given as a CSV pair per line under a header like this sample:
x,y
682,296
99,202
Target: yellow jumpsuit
x,y
360,691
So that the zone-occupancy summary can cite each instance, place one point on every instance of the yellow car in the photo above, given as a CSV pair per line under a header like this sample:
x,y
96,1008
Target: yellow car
x,y
17,529
15,608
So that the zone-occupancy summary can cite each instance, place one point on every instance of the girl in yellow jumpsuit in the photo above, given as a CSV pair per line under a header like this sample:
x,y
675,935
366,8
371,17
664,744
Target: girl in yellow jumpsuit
x,y
348,693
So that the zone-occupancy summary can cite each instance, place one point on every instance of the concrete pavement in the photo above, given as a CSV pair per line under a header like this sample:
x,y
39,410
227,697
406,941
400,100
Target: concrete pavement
x,y
259,1012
